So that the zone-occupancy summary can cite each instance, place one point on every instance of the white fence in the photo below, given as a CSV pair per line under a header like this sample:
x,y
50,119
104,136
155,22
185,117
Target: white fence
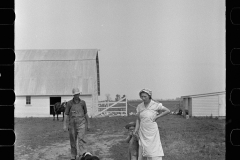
x,y
118,108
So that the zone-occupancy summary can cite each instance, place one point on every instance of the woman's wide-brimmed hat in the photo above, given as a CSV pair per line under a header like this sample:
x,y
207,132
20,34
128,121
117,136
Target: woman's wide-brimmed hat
x,y
75,91
148,91
131,124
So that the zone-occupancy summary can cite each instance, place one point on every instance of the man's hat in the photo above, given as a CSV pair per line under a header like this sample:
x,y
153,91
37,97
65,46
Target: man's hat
x,y
75,91
131,124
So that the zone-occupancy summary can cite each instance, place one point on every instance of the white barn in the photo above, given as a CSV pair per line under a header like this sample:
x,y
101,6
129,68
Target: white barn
x,y
209,104
44,77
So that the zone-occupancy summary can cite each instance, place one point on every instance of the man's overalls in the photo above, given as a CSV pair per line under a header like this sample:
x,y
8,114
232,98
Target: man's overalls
x,y
76,126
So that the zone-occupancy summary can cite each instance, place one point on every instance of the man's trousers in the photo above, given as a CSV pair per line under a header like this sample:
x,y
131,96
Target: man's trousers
x,y
76,133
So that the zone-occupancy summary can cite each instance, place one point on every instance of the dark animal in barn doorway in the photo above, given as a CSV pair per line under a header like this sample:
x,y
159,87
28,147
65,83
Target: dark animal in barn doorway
x,y
59,108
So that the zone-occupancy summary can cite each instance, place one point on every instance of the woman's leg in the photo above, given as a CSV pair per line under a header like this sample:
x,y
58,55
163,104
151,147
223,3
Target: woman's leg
x,y
140,150
134,157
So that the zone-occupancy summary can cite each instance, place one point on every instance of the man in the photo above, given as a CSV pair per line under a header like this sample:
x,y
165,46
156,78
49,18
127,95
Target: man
x,y
76,113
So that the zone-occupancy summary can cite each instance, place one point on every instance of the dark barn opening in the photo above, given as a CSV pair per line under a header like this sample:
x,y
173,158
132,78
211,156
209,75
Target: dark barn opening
x,y
53,100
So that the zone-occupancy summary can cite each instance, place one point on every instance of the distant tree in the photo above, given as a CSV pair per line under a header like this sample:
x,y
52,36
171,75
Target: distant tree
x,y
108,97
178,98
117,97
124,97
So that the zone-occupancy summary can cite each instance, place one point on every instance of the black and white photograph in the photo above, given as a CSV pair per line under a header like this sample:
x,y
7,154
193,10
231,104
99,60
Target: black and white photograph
x,y
120,80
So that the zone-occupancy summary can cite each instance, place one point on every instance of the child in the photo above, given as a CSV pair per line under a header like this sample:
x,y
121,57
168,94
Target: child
x,y
132,139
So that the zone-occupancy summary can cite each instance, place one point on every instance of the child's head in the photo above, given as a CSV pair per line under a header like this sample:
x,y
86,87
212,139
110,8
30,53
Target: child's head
x,y
130,127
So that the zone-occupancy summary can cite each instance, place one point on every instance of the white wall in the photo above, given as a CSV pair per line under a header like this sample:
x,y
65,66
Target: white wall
x,y
66,98
40,106
205,106
222,105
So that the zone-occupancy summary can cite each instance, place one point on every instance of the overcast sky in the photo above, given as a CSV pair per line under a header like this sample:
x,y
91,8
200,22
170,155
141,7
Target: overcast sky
x,y
173,47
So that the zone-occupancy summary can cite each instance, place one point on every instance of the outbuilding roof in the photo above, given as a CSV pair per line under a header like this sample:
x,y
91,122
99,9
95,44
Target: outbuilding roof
x,y
56,72
204,95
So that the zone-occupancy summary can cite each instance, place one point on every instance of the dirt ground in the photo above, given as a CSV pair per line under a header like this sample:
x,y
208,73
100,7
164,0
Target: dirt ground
x,y
194,138
42,138
96,144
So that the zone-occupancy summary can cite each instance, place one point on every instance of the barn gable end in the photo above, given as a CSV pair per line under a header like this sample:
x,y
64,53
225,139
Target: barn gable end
x,y
49,73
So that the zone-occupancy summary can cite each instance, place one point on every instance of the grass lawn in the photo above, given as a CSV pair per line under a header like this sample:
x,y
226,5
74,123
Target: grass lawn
x,y
192,139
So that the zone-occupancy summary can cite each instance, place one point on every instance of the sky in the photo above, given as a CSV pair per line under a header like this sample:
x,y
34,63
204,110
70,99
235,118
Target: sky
x,y
172,47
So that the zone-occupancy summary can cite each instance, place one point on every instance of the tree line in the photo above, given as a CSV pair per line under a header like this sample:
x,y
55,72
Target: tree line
x,y
118,97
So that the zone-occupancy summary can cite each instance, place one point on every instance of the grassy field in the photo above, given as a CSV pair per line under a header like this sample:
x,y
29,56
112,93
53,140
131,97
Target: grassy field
x,y
189,139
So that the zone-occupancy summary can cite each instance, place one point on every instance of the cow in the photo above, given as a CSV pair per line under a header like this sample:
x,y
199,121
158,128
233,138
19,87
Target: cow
x,y
59,108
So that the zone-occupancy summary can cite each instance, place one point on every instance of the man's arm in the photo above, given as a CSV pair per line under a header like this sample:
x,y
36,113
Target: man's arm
x,y
66,114
65,123
86,116
87,121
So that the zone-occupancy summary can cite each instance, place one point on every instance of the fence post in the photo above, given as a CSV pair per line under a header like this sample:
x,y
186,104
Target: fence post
x,y
126,106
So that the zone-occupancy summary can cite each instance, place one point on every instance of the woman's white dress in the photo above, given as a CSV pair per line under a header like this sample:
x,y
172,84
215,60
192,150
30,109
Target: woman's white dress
x,y
148,130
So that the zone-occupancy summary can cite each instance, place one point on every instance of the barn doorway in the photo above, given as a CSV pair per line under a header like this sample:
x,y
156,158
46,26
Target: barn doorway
x,y
53,100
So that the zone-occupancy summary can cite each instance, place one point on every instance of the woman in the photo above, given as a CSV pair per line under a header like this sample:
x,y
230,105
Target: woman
x,y
150,146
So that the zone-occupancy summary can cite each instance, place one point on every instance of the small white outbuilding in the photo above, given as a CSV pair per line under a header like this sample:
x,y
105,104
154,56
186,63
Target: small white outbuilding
x,y
44,77
208,104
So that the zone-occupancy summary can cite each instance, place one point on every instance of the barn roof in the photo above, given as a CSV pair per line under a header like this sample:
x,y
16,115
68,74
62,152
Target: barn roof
x,y
56,54
56,72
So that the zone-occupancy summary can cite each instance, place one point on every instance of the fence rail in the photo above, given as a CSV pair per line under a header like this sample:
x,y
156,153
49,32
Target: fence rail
x,y
112,108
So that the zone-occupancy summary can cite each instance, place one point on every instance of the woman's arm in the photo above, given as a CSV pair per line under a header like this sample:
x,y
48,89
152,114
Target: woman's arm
x,y
166,111
137,125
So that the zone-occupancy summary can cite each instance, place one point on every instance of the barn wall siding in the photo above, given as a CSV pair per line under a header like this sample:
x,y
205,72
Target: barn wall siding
x,y
222,105
205,106
40,107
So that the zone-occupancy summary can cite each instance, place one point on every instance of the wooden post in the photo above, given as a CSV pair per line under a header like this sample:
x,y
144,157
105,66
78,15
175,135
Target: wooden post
x,y
109,107
126,106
